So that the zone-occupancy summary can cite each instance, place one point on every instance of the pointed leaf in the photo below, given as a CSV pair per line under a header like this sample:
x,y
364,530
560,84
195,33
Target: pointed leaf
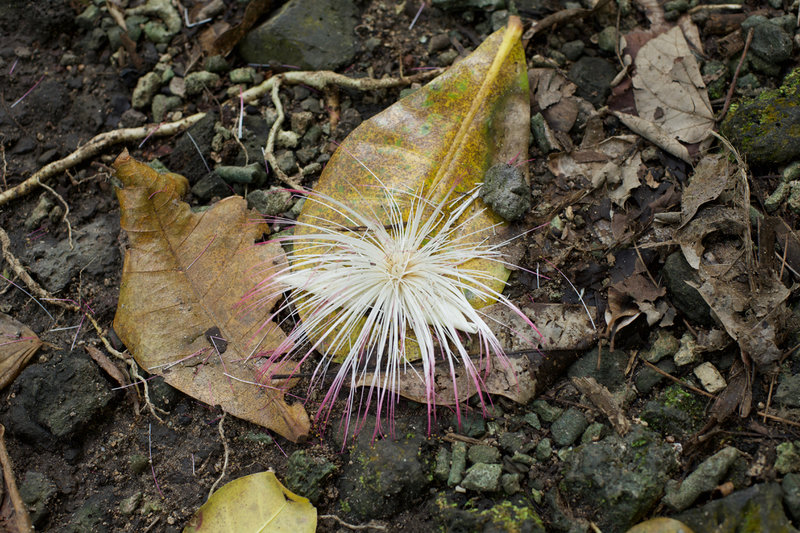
x,y
17,345
180,307
254,503
437,141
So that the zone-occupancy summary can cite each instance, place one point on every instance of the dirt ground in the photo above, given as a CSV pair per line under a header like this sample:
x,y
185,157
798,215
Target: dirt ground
x,y
120,458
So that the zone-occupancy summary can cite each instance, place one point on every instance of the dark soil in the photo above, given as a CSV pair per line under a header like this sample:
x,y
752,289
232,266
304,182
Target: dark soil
x,y
99,460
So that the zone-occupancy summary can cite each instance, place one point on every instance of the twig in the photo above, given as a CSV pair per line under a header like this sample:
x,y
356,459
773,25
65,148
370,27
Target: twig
x,y
66,211
273,132
736,76
5,165
676,380
713,7
96,145
225,461
21,515
769,395
779,419
341,522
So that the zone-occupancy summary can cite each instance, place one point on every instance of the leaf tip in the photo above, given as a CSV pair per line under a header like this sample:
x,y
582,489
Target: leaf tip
x,y
121,159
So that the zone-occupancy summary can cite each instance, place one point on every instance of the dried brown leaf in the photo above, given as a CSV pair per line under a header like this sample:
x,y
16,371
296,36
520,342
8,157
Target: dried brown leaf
x,y
669,89
180,307
18,343
711,176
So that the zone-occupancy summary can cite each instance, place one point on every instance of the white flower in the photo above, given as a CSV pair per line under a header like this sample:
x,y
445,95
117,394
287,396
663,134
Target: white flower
x,y
379,291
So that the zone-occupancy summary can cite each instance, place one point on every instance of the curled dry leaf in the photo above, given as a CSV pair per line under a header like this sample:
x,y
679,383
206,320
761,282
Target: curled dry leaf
x,y
614,163
17,345
180,309
534,363
751,306
669,89
711,177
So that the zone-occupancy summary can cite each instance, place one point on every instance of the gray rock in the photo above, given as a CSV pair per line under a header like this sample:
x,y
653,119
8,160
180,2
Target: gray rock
x,y
515,442
128,506
483,453
162,105
608,38
665,345
791,494
483,477
197,82
132,118
676,273
306,474
253,173
216,64
647,378
511,483
593,433
300,121
159,31
545,411
543,450
438,42
675,412
788,393
92,514
703,480
458,463
593,77
211,185
610,373
572,50
271,202
242,75
287,162
532,420
765,129
186,159
441,469
623,476
146,88
57,399
759,507
788,457
569,427
37,491
309,34
95,253
383,479
506,191
39,213
523,459
771,43
88,17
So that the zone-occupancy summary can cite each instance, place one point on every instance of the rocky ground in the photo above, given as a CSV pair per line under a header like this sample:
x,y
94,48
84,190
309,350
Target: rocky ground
x,y
721,449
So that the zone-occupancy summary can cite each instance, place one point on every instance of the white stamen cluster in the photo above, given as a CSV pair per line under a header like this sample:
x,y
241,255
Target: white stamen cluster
x,y
378,291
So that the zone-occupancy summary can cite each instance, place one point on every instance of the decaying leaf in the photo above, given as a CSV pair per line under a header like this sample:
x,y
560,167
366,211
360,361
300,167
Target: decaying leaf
x,y
534,363
614,163
180,309
629,298
18,343
751,306
257,503
711,176
221,38
669,89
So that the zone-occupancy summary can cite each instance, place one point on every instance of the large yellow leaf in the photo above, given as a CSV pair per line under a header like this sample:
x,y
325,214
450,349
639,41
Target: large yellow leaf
x,y
257,503
437,141
180,309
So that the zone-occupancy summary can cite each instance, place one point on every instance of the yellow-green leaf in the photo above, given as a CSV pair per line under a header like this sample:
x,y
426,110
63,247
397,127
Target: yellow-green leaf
x,y
437,141
254,503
